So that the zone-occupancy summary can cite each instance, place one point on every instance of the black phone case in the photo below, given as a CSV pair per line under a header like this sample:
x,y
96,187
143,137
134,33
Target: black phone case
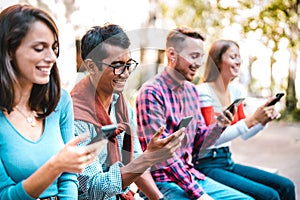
x,y
278,97
236,102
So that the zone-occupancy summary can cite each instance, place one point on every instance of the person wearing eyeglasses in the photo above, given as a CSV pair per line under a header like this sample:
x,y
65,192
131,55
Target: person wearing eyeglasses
x,y
98,101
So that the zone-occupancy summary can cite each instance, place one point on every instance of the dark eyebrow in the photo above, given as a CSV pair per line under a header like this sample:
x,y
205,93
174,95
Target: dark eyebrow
x,y
121,62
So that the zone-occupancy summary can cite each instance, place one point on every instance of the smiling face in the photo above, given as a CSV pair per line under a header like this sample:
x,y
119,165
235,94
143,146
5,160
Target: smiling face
x,y
36,55
190,58
230,63
105,79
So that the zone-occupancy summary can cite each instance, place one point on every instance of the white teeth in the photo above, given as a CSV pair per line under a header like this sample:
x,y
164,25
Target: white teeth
x,y
120,81
44,69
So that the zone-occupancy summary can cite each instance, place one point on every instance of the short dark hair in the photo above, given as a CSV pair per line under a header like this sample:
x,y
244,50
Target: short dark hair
x,y
212,65
15,22
92,43
177,37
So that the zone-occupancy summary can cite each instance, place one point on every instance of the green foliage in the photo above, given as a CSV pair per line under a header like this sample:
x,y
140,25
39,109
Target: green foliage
x,y
293,116
204,15
296,115
275,19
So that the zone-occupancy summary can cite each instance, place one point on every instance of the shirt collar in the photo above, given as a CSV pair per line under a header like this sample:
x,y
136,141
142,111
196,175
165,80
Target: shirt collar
x,y
170,81
115,97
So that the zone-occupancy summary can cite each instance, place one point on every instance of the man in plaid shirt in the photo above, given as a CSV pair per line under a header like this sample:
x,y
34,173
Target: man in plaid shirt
x,y
166,100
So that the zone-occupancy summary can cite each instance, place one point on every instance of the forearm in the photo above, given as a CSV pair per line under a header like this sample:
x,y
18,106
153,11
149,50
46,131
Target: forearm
x,y
35,184
135,169
232,132
210,137
252,131
251,121
147,185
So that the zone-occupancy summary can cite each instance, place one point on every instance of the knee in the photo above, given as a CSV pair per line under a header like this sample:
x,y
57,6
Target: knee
x,y
287,190
267,193
272,195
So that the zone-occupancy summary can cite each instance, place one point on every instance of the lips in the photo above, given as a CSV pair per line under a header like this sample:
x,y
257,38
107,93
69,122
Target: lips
x,y
235,69
120,82
44,69
193,69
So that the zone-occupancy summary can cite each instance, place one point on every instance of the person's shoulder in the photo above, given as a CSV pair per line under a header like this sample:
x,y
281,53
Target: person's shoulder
x,y
236,91
204,88
65,98
65,94
152,84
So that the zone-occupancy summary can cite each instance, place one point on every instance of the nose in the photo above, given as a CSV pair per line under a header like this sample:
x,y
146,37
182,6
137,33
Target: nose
x,y
199,62
238,61
125,73
50,56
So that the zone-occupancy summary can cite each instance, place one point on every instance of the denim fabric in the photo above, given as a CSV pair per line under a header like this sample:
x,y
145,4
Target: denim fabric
x,y
216,190
218,165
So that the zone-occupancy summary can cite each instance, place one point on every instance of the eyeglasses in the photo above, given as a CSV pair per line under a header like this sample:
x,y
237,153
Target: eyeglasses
x,y
119,67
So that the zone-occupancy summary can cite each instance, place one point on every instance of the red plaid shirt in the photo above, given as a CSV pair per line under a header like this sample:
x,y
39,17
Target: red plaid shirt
x,y
164,102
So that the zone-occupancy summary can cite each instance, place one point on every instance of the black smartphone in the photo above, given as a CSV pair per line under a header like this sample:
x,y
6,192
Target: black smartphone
x,y
106,132
278,97
183,122
236,102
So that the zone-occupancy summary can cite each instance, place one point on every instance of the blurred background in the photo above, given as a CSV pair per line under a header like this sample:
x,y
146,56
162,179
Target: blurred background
x,y
266,30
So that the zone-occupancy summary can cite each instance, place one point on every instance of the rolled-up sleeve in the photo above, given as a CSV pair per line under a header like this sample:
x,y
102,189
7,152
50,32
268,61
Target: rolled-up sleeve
x,y
94,181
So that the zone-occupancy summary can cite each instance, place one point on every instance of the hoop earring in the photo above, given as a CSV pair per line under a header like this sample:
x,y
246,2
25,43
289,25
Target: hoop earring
x,y
92,72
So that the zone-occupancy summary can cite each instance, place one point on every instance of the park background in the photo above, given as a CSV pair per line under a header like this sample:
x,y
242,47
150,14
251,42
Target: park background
x,y
266,30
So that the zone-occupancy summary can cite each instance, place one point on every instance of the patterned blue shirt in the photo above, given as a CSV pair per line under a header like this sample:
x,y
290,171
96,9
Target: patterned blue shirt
x,y
99,181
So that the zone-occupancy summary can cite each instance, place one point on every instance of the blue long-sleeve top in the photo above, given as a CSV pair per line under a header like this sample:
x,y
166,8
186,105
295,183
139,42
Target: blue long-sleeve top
x,y
20,157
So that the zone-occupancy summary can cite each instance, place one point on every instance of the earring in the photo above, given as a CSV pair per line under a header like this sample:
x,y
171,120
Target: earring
x,y
92,71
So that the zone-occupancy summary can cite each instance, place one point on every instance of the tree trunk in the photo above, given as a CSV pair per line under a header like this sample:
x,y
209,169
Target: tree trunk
x,y
291,100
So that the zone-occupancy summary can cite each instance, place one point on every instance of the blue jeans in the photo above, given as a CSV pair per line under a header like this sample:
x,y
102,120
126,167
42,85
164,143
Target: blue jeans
x,y
257,183
214,189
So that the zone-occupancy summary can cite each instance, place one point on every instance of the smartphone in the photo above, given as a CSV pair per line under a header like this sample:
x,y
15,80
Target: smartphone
x,y
183,122
278,97
106,132
236,102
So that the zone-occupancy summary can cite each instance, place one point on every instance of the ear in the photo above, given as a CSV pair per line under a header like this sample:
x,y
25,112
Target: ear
x,y
171,54
90,66
11,56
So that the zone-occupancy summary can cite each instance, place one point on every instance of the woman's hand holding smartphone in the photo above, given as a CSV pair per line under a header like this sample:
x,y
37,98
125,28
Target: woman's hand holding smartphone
x,y
234,104
278,96
226,118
